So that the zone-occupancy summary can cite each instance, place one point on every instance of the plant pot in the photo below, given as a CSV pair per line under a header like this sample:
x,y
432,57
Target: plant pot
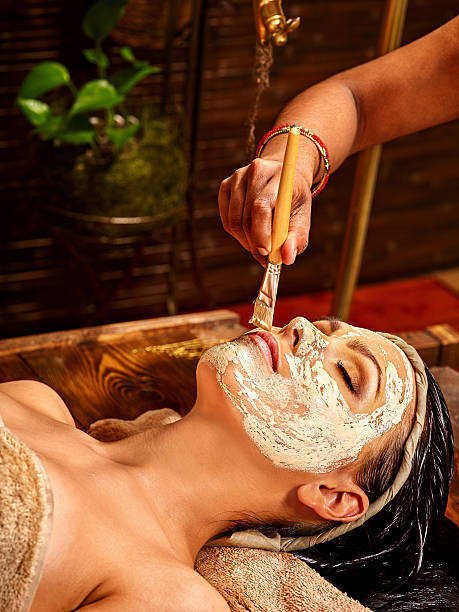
x,y
139,190
99,229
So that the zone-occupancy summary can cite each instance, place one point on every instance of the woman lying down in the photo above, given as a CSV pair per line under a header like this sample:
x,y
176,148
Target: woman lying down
x,y
311,429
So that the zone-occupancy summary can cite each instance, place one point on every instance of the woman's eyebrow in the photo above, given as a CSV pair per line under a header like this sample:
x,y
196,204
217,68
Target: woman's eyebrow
x,y
363,349
334,322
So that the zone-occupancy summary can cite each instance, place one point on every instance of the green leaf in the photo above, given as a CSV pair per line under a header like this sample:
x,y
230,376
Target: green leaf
x,y
50,128
42,78
119,136
96,56
36,111
76,130
76,137
101,18
95,94
128,55
124,80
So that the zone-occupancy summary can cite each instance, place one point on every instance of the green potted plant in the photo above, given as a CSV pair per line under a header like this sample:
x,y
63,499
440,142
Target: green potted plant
x,y
110,172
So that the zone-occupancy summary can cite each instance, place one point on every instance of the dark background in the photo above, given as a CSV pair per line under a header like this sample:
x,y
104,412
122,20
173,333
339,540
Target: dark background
x,y
415,219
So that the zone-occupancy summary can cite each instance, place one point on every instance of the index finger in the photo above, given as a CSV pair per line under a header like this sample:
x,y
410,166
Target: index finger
x,y
262,188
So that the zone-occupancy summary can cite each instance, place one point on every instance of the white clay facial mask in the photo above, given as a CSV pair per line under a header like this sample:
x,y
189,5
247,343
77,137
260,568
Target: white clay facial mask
x,y
301,421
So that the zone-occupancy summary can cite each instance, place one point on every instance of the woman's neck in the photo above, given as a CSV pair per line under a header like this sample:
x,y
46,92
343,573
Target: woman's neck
x,y
198,479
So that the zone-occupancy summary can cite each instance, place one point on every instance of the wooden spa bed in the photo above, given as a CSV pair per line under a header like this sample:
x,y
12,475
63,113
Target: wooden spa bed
x,y
124,369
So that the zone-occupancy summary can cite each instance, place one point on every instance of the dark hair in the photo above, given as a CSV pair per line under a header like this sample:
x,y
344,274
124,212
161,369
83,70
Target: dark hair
x,y
378,563
376,469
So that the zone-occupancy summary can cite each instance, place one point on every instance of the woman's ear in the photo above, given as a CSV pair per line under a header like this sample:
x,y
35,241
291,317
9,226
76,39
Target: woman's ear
x,y
334,503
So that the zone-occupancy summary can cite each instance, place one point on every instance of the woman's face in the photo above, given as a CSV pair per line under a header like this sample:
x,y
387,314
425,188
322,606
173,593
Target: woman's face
x,y
312,395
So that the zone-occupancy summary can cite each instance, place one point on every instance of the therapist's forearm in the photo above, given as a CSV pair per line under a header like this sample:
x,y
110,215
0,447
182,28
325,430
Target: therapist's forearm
x,y
329,110
410,89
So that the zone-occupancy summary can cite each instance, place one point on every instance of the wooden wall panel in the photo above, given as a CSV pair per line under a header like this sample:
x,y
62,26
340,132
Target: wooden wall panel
x,y
414,226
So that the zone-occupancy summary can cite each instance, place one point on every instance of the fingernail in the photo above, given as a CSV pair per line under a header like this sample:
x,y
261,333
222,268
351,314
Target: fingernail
x,y
263,252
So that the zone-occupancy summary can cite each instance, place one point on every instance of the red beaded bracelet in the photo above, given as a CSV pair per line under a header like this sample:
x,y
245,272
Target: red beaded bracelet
x,y
283,129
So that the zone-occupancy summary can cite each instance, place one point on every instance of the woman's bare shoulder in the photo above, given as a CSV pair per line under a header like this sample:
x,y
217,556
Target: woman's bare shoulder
x,y
181,589
169,589
36,396
195,594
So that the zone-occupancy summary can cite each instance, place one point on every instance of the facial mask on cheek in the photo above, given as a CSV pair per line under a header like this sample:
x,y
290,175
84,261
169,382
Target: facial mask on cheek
x,y
301,423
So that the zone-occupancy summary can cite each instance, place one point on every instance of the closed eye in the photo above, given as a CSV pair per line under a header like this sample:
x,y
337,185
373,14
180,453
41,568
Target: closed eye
x,y
351,385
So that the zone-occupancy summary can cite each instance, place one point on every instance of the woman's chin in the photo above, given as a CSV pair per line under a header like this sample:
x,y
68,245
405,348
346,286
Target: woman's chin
x,y
207,386
211,397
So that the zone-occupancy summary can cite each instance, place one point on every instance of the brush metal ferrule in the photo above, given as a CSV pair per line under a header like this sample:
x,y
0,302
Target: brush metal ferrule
x,y
269,285
263,311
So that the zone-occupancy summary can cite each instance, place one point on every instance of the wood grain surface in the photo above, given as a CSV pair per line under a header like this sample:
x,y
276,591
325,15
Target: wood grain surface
x,y
452,510
120,370
14,367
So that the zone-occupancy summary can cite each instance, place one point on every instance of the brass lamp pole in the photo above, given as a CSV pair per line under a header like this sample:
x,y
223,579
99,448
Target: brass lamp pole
x,y
365,180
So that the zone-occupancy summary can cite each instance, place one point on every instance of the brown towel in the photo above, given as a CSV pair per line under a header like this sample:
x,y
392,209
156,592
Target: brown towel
x,y
109,430
26,510
264,581
248,578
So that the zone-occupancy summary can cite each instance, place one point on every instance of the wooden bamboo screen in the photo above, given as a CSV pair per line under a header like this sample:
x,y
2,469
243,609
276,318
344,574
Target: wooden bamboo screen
x,y
415,220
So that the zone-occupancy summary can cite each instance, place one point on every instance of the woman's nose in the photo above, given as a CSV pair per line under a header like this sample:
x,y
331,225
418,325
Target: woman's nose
x,y
300,330
293,332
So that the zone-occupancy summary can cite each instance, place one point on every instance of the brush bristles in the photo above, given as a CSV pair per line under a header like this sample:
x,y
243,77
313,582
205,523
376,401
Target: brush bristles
x,y
262,315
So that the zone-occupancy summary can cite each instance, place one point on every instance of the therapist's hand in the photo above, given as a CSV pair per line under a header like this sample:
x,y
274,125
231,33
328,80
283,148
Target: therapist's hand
x,y
246,201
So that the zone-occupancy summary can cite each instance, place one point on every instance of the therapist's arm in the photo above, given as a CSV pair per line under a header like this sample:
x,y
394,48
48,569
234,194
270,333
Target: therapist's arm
x,y
410,89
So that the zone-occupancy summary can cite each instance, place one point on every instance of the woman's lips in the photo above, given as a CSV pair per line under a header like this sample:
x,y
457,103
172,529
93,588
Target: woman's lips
x,y
268,346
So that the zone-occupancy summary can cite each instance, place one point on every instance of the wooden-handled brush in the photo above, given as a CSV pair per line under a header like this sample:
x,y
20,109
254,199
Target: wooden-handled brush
x,y
263,310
